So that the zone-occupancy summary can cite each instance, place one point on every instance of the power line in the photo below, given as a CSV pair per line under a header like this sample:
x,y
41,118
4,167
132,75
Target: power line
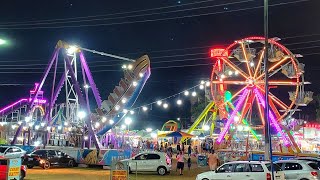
x,y
129,16
113,14
152,20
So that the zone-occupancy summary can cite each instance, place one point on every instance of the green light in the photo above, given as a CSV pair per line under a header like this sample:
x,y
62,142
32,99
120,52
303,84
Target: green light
x,y
2,41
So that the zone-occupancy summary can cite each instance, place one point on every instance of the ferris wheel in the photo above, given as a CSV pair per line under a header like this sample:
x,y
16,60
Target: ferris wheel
x,y
240,69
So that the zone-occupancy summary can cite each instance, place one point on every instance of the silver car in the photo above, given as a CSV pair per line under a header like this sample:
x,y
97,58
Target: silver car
x,y
299,169
11,152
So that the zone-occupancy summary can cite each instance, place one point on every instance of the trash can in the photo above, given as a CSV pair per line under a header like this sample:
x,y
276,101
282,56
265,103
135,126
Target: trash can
x,y
202,160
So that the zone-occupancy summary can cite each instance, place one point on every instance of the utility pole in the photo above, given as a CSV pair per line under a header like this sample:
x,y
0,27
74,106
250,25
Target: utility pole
x,y
268,145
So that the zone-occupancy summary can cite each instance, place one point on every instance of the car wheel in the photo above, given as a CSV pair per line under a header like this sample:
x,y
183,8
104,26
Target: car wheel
x,y
71,163
162,170
23,174
46,165
205,179
30,166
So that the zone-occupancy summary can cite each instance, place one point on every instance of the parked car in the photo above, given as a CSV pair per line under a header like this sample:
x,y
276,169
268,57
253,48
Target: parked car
x,y
46,158
150,162
4,170
243,170
11,152
313,159
299,169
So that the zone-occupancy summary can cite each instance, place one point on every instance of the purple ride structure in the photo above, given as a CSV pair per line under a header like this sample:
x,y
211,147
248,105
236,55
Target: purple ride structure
x,y
35,119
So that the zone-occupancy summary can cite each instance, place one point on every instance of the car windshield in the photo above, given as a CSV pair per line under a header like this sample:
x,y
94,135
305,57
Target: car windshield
x,y
314,166
275,167
3,149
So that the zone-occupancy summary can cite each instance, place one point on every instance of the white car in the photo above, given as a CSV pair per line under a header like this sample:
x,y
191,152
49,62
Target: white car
x,y
299,169
243,170
11,152
150,162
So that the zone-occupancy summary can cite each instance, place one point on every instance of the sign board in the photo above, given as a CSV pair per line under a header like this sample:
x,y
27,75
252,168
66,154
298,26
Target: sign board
x,y
14,168
119,170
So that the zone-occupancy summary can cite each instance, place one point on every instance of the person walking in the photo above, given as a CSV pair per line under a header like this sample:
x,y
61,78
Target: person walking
x,y
213,160
180,164
189,150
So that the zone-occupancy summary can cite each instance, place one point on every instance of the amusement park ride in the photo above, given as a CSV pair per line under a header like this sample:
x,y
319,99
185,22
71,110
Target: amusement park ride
x,y
37,120
239,69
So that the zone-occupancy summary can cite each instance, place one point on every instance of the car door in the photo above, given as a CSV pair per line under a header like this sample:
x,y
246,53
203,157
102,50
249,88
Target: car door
x,y
17,152
152,162
291,170
62,159
138,163
256,171
52,157
224,172
241,171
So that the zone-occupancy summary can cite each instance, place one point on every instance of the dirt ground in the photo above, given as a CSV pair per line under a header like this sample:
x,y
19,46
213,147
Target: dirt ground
x,y
98,173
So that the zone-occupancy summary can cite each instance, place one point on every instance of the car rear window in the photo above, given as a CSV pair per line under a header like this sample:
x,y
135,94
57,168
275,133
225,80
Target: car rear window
x,y
3,149
314,166
276,167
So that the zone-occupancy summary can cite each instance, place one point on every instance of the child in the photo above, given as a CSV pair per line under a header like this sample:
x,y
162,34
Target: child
x,y
189,163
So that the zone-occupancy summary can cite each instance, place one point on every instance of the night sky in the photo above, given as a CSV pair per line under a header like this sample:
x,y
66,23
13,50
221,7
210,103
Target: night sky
x,y
176,30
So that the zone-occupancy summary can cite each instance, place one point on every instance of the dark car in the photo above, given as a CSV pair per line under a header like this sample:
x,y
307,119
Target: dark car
x,y
46,158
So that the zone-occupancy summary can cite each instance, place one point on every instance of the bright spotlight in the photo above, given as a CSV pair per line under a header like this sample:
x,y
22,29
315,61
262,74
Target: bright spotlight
x,y
20,122
117,107
31,124
86,137
28,118
81,114
43,124
179,101
201,86
134,83
66,123
222,76
246,128
149,129
131,112
159,103
251,64
208,83
206,127
130,66
59,127
86,86
144,108
48,128
2,41
111,121
141,75
186,93
69,128
128,121
202,82
37,127
71,50
97,125
236,118
124,66
123,100
240,128
103,119
230,73
13,126
165,105
236,72
125,111
123,126
194,93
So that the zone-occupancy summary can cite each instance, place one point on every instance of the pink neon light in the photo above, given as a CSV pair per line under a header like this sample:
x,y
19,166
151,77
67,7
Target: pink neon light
x,y
273,119
40,101
231,119
13,104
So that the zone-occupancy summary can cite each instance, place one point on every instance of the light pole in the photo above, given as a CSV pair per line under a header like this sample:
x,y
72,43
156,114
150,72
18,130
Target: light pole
x,y
268,142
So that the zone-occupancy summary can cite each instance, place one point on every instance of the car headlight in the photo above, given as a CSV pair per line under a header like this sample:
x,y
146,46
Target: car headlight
x,y
41,161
